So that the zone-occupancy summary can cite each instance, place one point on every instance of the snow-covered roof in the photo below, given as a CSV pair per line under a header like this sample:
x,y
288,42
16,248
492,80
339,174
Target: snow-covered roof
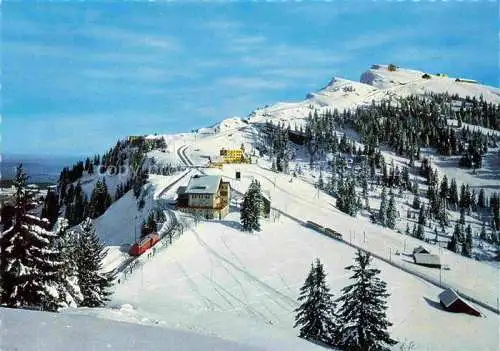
x,y
203,184
448,297
420,250
427,259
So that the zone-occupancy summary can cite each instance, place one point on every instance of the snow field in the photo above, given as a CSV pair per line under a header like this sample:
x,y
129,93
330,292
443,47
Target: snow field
x,y
304,202
67,331
217,279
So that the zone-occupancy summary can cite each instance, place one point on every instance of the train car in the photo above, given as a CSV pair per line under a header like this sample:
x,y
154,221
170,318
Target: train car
x,y
333,234
144,244
315,226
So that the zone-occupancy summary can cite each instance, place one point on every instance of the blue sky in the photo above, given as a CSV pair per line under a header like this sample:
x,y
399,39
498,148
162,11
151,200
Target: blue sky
x,y
76,76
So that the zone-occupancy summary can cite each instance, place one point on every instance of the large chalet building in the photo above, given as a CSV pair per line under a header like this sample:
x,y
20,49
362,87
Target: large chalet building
x,y
205,195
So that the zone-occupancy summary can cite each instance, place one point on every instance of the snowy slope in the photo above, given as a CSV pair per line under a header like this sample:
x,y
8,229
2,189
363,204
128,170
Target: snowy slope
x,y
220,281
115,227
303,201
376,84
61,332
406,81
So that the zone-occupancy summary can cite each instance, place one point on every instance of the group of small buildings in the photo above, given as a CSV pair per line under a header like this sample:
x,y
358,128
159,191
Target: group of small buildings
x,y
449,299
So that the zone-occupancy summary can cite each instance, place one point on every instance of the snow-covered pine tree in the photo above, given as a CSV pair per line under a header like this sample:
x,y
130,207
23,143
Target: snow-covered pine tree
x,y
30,262
69,289
361,317
462,216
50,208
94,285
315,315
251,207
467,245
482,234
382,213
453,243
79,205
347,201
416,202
391,212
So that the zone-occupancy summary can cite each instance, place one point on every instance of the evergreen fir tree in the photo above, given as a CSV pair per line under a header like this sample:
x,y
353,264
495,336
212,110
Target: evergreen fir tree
x,y
453,243
462,216
453,193
443,191
483,234
347,201
69,289
382,213
391,212
467,245
315,315
421,216
79,206
251,208
420,234
94,285
361,317
50,208
100,199
416,202
481,199
30,263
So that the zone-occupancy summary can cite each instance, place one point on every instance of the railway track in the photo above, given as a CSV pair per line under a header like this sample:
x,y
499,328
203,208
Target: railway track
x,y
172,223
420,275
181,152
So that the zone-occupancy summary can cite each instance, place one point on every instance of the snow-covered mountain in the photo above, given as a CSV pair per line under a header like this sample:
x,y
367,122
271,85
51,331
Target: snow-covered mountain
x,y
376,84
239,290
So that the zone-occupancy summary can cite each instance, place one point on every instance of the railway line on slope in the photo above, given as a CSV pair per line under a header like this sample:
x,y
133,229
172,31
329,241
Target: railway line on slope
x,y
417,274
171,224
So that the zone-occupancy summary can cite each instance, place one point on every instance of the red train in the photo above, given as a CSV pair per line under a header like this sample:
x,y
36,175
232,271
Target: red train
x,y
144,244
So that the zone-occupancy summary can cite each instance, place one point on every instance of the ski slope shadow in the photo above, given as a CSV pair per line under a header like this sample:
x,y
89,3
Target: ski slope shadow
x,y
434,304
247,306
284,298
209,304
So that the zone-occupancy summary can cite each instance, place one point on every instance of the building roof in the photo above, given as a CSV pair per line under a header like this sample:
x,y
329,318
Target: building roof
x,y
420,249
448,297
181,190
203,184
427,259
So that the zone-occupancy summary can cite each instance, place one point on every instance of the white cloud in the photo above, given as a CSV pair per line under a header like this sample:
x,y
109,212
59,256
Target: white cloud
x,y
131,38
250,83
